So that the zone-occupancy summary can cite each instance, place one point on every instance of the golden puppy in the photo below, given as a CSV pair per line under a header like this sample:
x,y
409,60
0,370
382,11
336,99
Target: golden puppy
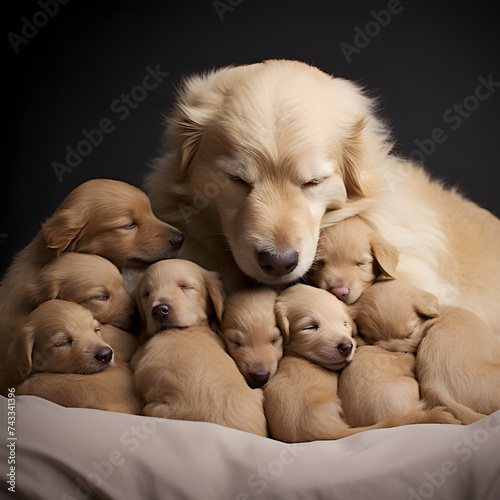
x,y
458,365
257,157
58,337
379,384
251,335
183,371
91,281
350,257
101,216
301,401
394,315
110,390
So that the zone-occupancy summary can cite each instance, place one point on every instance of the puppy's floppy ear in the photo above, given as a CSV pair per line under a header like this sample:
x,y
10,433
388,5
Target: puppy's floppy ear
x,y
215,290
46,288
21,350
354,156
349,319
426,305
386,255
63,229
282,320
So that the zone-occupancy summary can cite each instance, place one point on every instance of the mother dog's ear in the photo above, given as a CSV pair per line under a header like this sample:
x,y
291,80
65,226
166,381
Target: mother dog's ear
x,y
197,104
355,159
63,229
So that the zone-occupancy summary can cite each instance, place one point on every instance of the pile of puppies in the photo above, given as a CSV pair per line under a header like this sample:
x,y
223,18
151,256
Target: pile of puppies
x,y
359,350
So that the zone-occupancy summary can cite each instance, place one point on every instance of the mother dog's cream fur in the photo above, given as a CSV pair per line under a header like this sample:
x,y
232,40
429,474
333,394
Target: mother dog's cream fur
x,y
257,158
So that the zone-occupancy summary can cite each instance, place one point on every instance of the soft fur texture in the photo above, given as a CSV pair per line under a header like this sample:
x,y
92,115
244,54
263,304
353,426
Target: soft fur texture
x,y
183,371
91,281
380,385
301,401
110,390
251,334
58,337
458,365
350,257
101,216
254,157
394,315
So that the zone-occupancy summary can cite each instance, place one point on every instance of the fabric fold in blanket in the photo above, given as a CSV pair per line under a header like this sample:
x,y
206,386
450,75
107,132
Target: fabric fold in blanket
x,y
67,454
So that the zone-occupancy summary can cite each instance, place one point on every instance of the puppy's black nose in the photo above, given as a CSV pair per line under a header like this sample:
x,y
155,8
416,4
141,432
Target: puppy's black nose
x,y
345,349
177,241
104,355
278,264
259,378
160,312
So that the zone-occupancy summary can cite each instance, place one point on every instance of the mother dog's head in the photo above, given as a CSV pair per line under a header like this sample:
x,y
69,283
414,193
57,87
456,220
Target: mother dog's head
x,y
254,157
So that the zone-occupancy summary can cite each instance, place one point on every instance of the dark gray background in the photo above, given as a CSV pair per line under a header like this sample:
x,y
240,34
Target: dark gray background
x,y
66,77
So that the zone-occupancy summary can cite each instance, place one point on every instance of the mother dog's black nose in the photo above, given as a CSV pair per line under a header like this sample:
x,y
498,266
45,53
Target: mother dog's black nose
x,y
177,241
278,264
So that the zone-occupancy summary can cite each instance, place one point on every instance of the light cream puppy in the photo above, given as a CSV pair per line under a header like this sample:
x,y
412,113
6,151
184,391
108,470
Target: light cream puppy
x,y
380,383
458,365
251,334
182,371
351,256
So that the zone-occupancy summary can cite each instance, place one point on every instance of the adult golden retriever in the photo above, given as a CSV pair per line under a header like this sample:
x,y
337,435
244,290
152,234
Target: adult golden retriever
x,y
254,157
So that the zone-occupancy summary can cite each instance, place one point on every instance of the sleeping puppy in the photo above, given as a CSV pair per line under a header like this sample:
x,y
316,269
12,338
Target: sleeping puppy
x,y
394,315
458,365
91,281
58,337
109,390
101,216
251,335
301,401
182,371
350,257
380,384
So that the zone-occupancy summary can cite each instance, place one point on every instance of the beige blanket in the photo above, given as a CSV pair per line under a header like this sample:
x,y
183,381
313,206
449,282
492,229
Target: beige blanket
x,y
68,454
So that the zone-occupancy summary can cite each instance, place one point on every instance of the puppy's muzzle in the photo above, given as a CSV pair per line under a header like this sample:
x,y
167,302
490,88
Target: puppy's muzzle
x,y
104,355
258,378
345,349
160,312
278,264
